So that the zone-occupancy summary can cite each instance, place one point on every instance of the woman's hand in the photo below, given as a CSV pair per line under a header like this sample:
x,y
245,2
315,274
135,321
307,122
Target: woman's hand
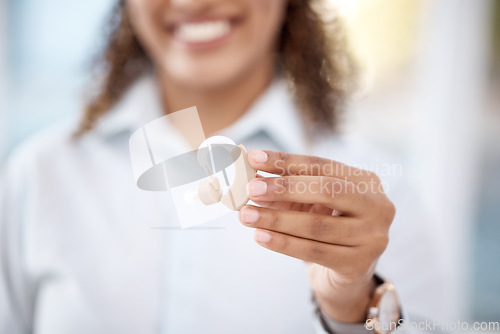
x,y
334,217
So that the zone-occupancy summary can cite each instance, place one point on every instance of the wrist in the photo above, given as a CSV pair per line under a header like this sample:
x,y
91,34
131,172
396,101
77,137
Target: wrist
x,y
349,303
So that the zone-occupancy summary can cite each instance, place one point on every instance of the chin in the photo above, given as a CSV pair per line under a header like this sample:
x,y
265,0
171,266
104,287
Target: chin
x,y
205,76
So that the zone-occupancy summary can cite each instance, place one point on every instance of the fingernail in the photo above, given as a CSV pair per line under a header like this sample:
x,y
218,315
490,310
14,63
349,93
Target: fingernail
x,y
249,215
256,188
258,156
262,236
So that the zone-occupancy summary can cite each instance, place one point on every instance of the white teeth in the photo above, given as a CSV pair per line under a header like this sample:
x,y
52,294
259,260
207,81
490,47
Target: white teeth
x,y
203,31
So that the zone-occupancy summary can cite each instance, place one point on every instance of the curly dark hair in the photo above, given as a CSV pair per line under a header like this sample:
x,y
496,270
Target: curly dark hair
x,y
312,54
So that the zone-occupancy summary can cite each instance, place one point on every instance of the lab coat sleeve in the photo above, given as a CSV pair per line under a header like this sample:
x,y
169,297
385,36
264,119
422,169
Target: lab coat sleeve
x,y
325,325
16,295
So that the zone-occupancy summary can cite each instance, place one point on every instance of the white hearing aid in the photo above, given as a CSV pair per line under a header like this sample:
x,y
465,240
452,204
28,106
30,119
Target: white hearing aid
x,y
209,190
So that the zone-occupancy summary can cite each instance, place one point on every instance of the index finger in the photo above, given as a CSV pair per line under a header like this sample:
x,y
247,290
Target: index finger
x,y
281,163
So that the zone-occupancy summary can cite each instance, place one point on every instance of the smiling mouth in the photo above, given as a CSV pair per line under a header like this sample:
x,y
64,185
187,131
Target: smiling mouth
x,y
203,32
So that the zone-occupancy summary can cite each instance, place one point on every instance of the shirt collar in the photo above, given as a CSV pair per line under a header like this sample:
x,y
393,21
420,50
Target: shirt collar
x,y
140,105
274,112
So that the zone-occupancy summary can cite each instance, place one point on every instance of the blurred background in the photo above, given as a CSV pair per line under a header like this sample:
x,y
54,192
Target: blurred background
x,y
430,96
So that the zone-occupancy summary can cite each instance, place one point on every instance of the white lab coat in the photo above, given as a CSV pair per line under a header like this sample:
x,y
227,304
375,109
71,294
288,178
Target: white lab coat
x,y
83,250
